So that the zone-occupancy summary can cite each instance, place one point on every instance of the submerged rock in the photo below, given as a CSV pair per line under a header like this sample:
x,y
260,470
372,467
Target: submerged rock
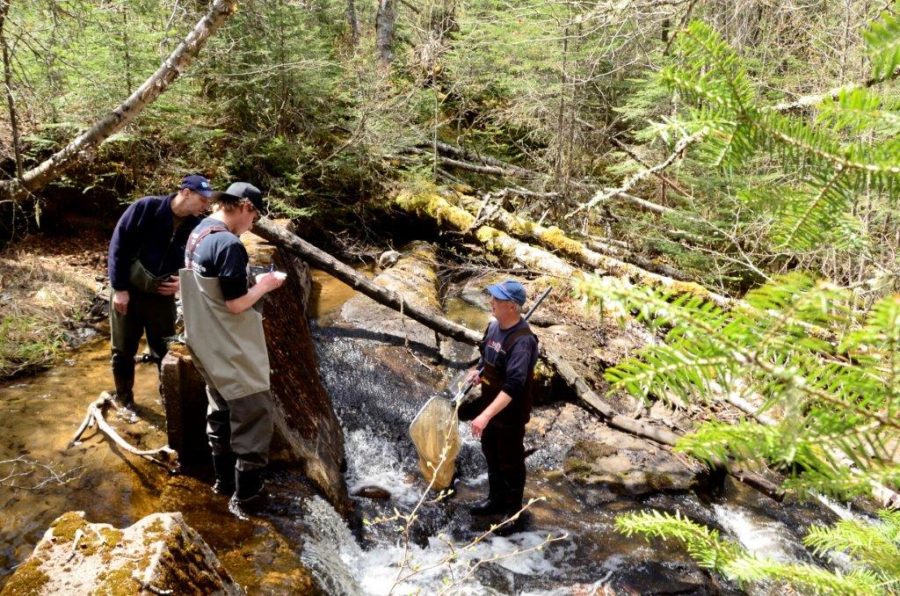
x,y
372,492
160,554
628,465
413,276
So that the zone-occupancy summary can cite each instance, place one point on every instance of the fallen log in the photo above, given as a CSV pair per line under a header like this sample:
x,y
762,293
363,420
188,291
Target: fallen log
x,y
553,238
292,243
95,416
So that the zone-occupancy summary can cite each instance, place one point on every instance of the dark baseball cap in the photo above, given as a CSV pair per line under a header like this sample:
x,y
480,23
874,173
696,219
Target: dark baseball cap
x,y
199,184
509,290
245,190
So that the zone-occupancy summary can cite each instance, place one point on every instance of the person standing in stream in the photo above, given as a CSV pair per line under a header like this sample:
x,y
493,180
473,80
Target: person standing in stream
x,y
225,336
145,252
509,355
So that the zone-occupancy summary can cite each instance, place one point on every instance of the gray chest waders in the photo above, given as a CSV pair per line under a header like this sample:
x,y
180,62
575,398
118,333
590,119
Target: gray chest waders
x,y
230,348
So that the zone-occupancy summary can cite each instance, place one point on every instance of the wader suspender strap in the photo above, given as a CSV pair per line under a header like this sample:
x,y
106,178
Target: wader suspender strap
x,y
195,241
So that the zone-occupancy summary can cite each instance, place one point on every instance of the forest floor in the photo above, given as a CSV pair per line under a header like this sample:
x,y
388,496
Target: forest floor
x,y
50,297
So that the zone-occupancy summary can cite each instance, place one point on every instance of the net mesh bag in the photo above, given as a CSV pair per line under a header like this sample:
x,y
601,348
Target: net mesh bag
x,y
435,427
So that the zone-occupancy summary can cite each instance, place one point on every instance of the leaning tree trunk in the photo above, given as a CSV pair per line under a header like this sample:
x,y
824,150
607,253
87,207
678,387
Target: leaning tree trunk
x,y
156,85
304,414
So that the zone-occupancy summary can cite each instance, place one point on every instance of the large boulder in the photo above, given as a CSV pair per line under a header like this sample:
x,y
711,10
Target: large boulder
x,y
159,554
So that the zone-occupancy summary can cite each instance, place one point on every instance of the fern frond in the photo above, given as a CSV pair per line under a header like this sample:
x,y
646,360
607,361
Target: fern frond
x,y
883,40
727,557
702,543
869,544
807,578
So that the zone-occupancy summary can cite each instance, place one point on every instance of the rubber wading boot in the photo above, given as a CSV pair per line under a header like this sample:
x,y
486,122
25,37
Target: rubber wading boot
x,y
223,465
250,495
487,507
124,390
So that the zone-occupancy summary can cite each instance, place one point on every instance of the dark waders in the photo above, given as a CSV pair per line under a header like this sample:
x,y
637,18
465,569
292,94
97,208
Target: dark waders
x,y
150,313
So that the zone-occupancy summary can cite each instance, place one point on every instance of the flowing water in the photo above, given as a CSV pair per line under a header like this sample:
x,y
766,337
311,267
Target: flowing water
x,y
567,545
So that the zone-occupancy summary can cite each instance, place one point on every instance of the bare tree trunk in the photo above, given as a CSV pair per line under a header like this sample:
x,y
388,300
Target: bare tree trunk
x,y
146,94
384,31
7,79
354,22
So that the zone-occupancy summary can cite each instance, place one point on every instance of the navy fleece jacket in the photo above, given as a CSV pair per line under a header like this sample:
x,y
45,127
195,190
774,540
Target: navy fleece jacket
x,y
146,232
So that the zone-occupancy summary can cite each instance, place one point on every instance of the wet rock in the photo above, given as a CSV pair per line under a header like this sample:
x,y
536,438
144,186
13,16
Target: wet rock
x,y
263,554
414,276
628,465
587,451
159,554
373,492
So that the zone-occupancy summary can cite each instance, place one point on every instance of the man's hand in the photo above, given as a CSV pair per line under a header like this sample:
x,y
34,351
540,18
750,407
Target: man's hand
x,y
479,424
473,377
168,287
120,301
270,281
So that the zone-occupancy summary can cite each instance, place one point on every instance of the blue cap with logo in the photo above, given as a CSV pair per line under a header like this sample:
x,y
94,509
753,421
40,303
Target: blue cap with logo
x,y
198,184
510,290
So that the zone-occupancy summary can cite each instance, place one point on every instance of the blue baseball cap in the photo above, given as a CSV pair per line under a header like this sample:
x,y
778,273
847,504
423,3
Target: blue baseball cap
x,y
510,290
199,184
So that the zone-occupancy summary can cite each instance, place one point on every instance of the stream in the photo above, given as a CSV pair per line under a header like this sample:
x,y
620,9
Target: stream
x,y
567,545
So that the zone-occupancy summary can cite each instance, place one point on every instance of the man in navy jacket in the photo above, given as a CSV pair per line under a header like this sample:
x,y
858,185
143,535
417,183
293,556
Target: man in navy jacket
x,y
145,253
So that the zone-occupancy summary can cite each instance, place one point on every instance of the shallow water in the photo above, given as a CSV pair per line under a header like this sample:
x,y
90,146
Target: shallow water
x,y
38,417
568,544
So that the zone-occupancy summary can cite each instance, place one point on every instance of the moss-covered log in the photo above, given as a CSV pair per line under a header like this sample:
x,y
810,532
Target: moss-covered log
x,y
554,239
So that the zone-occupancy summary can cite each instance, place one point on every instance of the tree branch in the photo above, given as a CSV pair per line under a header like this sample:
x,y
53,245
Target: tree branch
x,y
156,85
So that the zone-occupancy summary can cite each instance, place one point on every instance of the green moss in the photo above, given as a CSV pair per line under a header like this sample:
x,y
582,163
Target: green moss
x,y
28,578
66,525
119,582
556,239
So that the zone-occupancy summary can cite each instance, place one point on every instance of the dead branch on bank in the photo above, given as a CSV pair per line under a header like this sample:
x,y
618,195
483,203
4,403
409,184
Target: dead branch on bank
x,y
31,466
95,416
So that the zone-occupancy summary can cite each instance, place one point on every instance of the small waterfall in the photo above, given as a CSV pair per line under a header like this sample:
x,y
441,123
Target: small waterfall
x,y
760,535
330,546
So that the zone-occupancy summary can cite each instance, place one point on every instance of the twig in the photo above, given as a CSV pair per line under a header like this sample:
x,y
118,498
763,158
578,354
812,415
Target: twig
x,y
95,414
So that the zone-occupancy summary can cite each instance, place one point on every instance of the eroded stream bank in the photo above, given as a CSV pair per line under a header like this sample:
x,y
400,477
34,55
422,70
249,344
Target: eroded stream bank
x,y
377,383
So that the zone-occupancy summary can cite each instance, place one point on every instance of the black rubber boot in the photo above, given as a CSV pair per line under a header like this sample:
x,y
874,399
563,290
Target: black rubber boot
x,y
487,507
250,495
223,465
124,389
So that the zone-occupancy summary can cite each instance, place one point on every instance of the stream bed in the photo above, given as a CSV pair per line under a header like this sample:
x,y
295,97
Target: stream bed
x,y
567,545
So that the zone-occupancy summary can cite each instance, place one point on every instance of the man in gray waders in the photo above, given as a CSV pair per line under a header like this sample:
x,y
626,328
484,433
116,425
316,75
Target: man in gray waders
x,y
225,335
509,354
145,252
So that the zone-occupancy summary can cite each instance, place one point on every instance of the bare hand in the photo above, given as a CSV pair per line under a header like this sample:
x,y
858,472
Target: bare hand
x,y
473,377
120,301
478,425
168,287
270,281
